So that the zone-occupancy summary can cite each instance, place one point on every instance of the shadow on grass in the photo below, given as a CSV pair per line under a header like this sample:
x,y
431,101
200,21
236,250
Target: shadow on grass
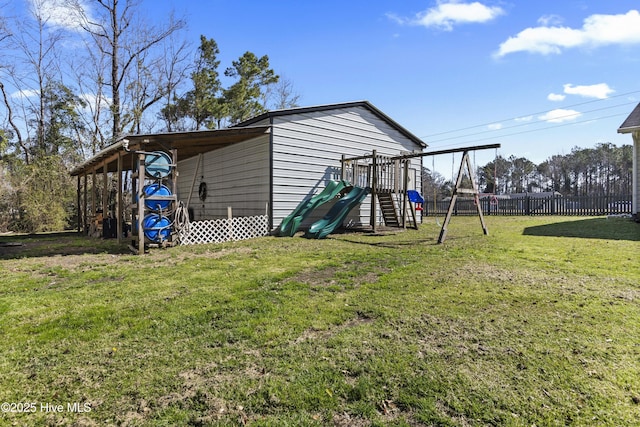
x,y
14,246
393,245
593,228
361,236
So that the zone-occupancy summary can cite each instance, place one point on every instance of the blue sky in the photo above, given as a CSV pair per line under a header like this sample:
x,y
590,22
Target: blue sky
x,y
539,77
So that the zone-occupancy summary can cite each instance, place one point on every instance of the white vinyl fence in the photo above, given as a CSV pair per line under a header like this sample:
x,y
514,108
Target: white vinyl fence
x,y
225,230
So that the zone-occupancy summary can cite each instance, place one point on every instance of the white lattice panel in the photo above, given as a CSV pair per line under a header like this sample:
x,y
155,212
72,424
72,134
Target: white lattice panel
x,y
225,230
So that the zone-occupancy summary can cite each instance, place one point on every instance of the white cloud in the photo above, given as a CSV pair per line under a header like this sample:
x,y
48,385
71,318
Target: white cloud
x,y
447,14
397,19
560,115
599,91
26,93
59,13
556,97
543,40
524,119
495,126
597,30
611,29
93,101
548,20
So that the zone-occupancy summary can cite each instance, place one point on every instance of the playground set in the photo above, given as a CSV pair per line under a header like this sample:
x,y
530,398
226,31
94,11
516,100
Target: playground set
x,y
386,179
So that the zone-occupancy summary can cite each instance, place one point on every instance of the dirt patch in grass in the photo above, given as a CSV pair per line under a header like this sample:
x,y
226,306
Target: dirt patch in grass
x,y
560,283
202,387
346,420
313,334
354,273
315,277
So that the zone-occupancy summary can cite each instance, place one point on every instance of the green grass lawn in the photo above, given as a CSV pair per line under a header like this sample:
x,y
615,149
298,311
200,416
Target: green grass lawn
x,y
536,324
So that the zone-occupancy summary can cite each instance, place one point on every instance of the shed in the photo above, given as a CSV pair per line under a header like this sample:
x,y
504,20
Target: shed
x,y
265,165
632,125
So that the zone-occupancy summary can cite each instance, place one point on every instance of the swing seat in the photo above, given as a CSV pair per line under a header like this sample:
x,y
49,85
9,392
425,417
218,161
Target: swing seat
x,y
416,198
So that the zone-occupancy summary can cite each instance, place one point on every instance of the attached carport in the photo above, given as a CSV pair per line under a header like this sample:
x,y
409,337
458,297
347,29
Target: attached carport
x,y
128,154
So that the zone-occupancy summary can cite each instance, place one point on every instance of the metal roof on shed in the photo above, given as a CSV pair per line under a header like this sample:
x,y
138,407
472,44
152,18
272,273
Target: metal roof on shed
x,y
325,107
187,144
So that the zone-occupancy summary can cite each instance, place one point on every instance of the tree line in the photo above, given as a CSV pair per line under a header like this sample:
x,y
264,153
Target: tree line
x,y
68,90
603,170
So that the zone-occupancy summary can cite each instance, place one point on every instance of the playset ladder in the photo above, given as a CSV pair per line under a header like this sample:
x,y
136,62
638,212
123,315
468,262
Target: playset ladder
x,y
391,207
388,209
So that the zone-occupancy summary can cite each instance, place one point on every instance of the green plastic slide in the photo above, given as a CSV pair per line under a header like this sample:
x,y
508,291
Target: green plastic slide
x,y
336,215
290,224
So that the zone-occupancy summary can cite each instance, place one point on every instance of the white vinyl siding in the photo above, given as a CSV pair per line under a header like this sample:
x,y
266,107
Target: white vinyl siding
x,y
307,148
636,174
236,175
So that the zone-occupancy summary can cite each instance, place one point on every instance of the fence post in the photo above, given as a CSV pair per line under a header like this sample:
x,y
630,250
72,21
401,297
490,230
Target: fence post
x,y
229,223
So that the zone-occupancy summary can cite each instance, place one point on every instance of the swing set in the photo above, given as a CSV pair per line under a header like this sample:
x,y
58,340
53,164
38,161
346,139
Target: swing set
x,y
459,189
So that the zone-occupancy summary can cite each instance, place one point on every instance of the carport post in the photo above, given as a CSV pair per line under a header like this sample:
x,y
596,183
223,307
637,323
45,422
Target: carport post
x,y
85,204
140,201
78,201
119,217
105,196
94,180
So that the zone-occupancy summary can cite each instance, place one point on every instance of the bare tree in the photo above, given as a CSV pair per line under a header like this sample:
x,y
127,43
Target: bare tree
x,y
32,45
13,124
39,48
130,45
175,72
90,75
5,34
155,79
281,95
4,29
